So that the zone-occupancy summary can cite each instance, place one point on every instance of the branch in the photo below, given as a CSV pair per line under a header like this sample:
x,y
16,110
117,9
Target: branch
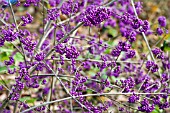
x,y
65,87
144,36
98,94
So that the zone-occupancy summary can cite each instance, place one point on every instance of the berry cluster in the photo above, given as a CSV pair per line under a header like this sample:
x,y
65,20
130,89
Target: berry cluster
x,y
145,107
95,15
26,19
53,14
70,53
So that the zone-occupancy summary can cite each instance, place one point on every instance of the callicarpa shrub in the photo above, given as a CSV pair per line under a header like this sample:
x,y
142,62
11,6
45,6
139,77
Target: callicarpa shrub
x,y
83,56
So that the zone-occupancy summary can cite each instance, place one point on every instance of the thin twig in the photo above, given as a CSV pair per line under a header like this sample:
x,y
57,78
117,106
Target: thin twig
x,y
94,80
65,87
109,3
87,95
144,36
95,60
64,38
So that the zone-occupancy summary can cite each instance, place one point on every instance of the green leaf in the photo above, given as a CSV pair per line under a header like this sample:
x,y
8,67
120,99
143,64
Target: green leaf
x,y
4,69
27,99
166,45
156,110
31,100
104,76
23,99
18,57
3,49
112,32
107,51
4,56
110,42
6,81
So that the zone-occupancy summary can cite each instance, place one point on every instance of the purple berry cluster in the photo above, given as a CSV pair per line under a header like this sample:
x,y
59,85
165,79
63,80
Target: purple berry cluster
x,y
9,35
70,52
151,66
95,15
26,19
53,14
69,7
145,107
